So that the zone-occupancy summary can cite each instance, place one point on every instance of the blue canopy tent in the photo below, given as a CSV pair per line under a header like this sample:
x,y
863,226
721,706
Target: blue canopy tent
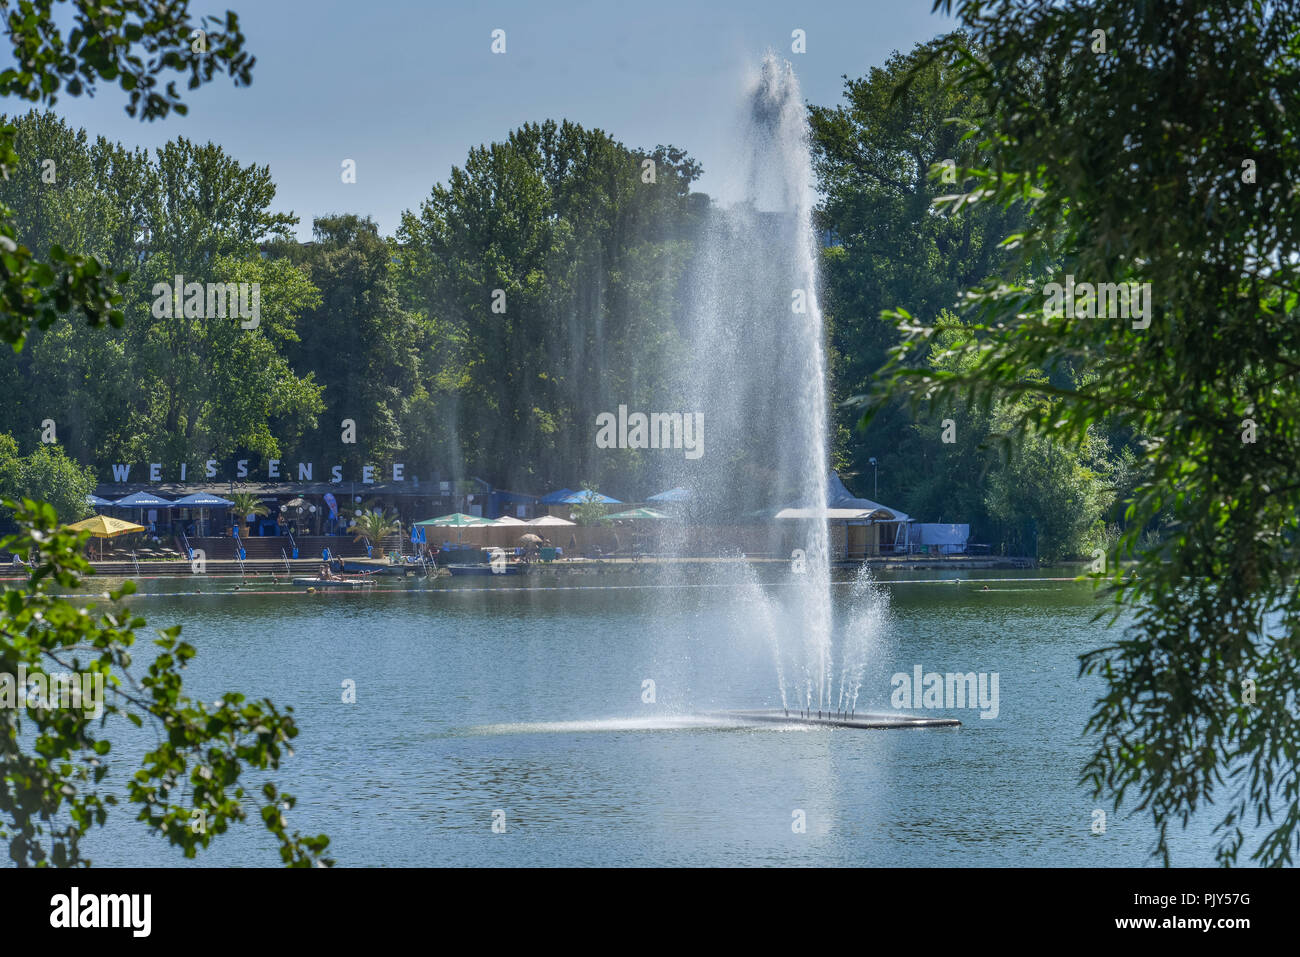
x,y
556,498
94,501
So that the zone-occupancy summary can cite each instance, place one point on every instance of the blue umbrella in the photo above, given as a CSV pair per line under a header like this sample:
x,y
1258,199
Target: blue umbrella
x,y
580,498
142,500
202,500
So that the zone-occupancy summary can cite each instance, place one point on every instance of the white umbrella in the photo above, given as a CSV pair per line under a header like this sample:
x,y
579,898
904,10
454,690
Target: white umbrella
x,y
551,520
508,520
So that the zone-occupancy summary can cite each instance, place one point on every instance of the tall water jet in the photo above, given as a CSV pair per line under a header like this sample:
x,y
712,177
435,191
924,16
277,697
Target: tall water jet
x,y
756,367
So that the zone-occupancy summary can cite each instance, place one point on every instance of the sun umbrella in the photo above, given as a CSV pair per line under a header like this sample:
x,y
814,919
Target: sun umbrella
x,y
143,500
102,527
508,520
586,496
638,513
551,520
456,519
672,495
202,501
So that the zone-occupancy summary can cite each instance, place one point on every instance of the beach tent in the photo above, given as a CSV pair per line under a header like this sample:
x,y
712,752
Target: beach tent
x,y
102,527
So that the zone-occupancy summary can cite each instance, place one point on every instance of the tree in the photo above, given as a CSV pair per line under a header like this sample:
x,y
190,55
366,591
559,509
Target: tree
x,y
546,273
48,475
53,758
175,387
1126,178
873,156
189,787
359,343
244,504
590,510
375,524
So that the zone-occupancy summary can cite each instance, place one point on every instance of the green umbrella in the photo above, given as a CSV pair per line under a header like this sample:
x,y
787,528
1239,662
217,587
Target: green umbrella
x,y
637,513
456,519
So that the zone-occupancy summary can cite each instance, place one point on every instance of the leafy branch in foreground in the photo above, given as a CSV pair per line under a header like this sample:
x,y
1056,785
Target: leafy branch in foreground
x,y
134,42
189,786
1164,156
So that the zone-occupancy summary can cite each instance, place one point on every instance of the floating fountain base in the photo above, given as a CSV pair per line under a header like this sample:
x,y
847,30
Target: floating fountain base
x,y
840,719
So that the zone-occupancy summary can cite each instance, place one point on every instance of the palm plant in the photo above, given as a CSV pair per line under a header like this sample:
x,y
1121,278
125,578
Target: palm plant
x,y
246,504
375,525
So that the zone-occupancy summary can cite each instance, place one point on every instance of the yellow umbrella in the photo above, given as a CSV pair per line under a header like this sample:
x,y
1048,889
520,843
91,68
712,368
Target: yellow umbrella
x,y
102,526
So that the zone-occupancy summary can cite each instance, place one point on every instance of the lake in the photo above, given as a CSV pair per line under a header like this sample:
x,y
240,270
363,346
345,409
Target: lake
x,y
528,698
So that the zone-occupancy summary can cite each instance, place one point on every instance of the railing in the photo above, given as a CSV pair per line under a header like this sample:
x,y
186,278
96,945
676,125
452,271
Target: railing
x,y
287,569
239,557
293,545
136,562
185,540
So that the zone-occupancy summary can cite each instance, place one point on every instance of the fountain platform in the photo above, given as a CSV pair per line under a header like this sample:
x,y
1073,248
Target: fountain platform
x,y
839,719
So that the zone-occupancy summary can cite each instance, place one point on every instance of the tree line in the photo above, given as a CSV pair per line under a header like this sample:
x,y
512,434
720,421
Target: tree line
x,y
542,284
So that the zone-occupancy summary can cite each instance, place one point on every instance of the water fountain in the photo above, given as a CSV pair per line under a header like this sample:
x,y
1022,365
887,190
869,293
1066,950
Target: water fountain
x,y
757,370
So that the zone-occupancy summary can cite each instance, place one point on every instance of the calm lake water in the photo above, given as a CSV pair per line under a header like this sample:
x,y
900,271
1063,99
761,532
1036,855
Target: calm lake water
x,y
478,695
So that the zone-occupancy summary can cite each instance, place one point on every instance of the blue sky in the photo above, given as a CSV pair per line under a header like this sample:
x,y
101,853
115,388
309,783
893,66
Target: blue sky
x,y
406,88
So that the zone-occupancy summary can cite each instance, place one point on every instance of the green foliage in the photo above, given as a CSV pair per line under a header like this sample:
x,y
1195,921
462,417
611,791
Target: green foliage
x,y
190,787
366,349
170,389
1068,135
587,259
246,504
375,524
873,157
130,41
47,475
589,510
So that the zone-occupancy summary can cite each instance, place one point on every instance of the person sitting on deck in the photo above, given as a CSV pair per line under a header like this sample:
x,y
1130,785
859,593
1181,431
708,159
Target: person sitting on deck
x,y
326,573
